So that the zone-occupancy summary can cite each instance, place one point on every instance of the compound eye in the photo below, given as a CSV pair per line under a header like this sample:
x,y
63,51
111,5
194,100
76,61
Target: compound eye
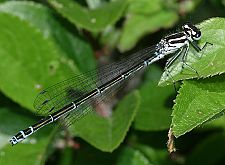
x,y
197,36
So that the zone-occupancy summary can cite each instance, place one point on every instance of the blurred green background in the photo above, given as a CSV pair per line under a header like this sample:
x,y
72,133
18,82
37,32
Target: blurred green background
x,y
45,42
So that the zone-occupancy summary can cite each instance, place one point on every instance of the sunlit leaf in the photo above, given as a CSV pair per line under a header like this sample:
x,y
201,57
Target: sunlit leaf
x,y
42,18
93,20
198,102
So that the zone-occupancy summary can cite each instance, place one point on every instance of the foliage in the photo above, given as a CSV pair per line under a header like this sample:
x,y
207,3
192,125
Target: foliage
x,y
45,42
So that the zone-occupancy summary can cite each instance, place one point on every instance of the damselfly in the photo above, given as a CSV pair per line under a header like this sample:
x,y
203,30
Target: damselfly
x,y
71,99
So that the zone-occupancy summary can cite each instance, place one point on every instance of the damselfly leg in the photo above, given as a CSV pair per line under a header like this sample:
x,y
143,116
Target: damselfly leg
x,y
169,62
197,48
184,61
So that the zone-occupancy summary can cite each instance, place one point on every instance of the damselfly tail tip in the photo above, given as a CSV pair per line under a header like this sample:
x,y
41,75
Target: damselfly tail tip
x,y
13,141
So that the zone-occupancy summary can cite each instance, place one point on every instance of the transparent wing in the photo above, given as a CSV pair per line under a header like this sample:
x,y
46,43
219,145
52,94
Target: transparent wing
x,y
88,106
63,93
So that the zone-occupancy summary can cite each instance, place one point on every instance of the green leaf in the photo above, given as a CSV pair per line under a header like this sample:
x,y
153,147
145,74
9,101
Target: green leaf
x,y
210,151
92,4
31,61
132,157
154,115
33,150
144,17
215,124
107,133
66,157
198,102
154,156
88,153
93,20
42,18
212,57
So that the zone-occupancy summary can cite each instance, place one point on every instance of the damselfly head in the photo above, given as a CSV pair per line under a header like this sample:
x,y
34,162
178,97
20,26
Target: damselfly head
x,y
191,31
